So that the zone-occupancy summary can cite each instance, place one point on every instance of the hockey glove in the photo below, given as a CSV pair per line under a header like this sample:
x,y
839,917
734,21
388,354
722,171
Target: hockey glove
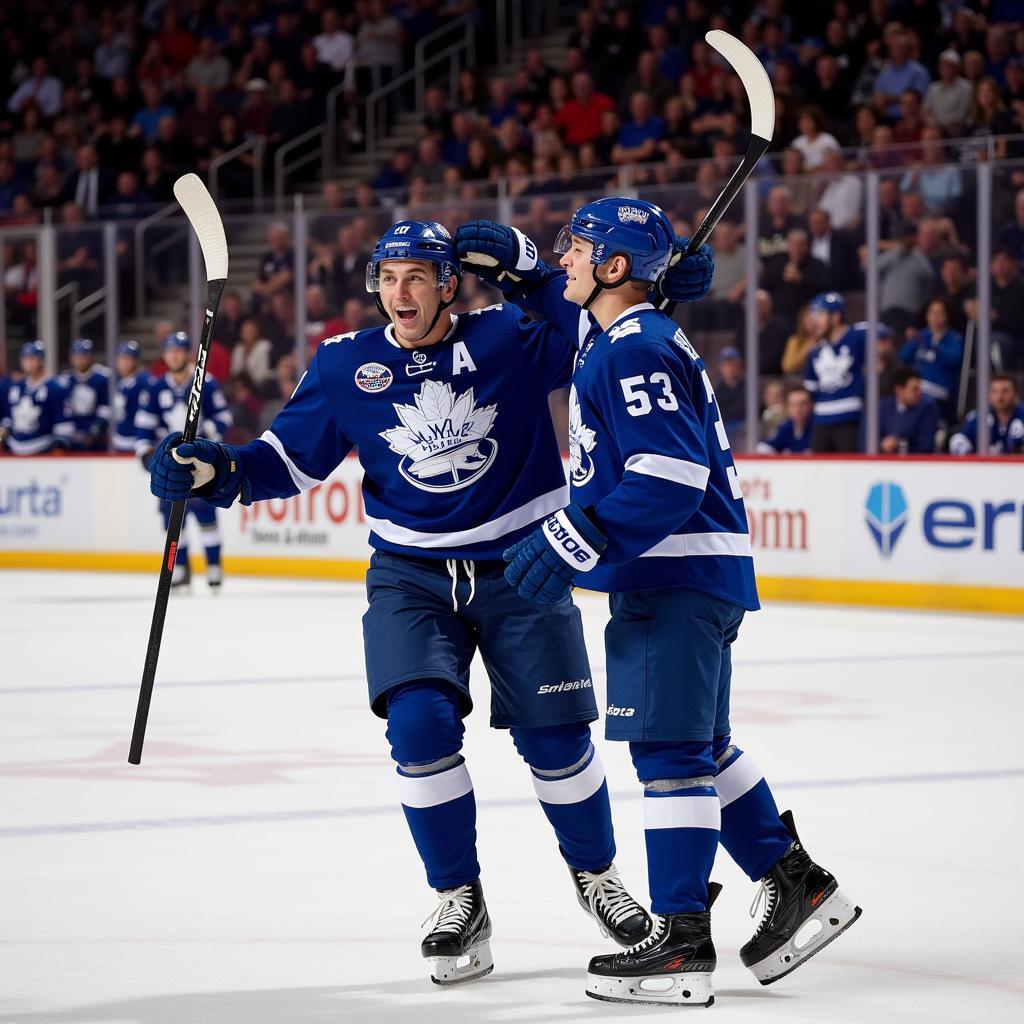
x,y
495,252
197,469
686,279
542,565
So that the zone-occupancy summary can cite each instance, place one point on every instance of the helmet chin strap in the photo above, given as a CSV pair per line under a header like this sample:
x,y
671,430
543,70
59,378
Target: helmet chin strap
x,y
600,286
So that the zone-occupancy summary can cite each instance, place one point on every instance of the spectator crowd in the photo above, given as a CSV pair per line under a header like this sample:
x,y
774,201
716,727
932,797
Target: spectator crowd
x,y
103,105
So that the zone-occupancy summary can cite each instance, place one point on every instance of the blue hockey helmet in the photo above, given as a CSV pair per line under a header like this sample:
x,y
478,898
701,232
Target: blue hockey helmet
x,y
33,349
129,348
828,302
83,347
633,227
416,240
179,339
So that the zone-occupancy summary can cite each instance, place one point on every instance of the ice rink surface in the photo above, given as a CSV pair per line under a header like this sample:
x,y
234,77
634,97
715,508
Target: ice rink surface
x,y
256,868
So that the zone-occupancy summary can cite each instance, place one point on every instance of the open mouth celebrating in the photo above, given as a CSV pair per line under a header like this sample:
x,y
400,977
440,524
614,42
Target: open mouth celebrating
x,y
405,314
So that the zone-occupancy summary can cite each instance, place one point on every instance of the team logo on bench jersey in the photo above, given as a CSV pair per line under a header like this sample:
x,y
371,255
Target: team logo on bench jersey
x,y
443,439
373,377
581,443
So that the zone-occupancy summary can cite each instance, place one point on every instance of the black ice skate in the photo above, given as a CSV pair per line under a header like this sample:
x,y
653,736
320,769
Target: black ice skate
x,y
457,946
672,966
804,911
603,896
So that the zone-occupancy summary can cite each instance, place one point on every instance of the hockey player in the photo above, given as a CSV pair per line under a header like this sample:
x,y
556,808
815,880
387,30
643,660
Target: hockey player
x,y
131,383
161,412
88,388
450,417
1005,421
657,520
835,375
34,413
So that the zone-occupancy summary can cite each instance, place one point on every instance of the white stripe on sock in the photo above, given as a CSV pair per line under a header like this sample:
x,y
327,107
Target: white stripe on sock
x,y
573,789
431,790
739,778
682,812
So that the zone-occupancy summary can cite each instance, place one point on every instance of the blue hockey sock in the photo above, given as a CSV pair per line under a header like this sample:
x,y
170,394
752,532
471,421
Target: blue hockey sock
x,y
425,732
681,829
211,544
441,813
568,778
752,833
681,821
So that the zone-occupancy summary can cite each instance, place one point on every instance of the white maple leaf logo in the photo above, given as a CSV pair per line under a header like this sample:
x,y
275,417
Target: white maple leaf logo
x,y
581,442
833,368
443,436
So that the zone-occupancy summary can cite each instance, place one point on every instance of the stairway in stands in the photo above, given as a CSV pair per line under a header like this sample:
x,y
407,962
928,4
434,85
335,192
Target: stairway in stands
x,y
248,241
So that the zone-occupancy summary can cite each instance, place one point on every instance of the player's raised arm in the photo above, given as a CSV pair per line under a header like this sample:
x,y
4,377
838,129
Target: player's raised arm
x,y
507,259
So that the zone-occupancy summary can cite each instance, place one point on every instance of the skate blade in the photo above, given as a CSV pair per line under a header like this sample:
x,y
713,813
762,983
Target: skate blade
x,y
692,989
476,962
826,924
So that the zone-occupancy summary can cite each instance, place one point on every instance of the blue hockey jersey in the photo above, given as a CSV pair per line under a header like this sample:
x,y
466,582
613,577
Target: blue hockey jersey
x,y
1003,438
89,405
456,441
835,377
126,405
787,440
938,360
37,416
163,407
649,455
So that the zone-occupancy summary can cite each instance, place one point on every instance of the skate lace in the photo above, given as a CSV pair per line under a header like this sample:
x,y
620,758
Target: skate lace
x,y
657,931
452,912
605,888
767,892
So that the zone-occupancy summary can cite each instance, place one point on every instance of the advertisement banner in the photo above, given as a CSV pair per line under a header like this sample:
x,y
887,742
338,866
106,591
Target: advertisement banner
x,y
941,533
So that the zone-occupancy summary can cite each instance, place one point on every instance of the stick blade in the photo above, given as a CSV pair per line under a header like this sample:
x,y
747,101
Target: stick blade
x,y
756,83
202,214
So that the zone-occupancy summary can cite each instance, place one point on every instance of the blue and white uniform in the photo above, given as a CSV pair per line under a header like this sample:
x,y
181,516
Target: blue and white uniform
x,y
835,377
126,404
456,440
1003,438
90,406
651,467
162,409
460,460
788,440
37,416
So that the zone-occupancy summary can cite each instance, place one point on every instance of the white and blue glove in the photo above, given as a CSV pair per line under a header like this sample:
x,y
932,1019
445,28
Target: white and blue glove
x,y
543,564
497,253
197,469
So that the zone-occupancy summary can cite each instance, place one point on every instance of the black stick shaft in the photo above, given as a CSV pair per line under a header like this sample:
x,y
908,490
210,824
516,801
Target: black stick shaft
x,y
754,152
214,289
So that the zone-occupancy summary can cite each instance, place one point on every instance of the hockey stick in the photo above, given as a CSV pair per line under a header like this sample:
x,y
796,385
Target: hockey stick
x,y
202,214
761,100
